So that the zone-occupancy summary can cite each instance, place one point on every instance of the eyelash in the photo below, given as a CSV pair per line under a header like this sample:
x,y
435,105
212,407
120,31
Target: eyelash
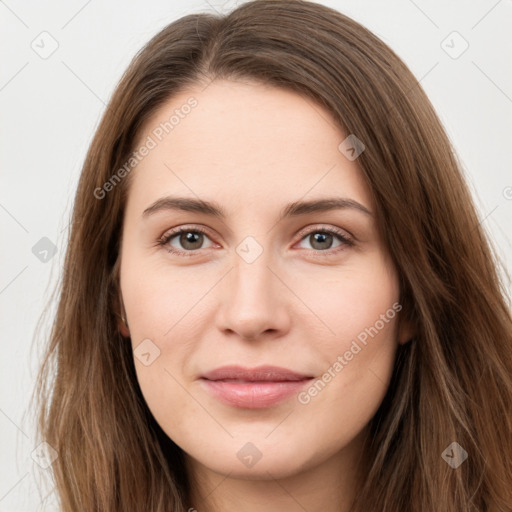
x,y
346,241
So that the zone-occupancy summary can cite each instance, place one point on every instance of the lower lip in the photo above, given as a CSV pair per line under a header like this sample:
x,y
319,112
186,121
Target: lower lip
x,y
253,395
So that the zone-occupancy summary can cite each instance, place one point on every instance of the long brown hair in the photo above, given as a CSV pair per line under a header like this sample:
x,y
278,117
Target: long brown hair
x,y
451,383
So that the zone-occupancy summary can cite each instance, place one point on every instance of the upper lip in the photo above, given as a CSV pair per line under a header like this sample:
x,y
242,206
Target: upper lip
x,y
260,373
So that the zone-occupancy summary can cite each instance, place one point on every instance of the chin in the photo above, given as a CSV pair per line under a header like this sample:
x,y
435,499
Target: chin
x,y
257,460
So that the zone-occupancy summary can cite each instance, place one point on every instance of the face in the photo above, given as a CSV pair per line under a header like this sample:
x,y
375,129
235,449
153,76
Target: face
x,y
251,282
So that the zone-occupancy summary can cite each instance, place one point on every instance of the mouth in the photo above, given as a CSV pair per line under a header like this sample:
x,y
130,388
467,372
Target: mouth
x,y
254,388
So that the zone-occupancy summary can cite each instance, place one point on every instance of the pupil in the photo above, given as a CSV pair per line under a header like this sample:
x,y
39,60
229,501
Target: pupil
x,y
320,238
189,238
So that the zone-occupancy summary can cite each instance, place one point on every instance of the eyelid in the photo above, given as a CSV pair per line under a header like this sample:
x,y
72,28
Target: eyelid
x,y
346,238
325,227
185,227
171,233
346,241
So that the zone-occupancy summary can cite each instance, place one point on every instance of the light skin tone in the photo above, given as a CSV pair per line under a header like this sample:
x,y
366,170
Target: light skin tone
x,y
253,149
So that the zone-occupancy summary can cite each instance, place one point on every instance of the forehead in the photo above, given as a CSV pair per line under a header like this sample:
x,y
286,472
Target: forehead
x,y
243,142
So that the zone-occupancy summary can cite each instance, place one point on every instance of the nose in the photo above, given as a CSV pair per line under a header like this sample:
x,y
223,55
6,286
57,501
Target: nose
x,y
254,301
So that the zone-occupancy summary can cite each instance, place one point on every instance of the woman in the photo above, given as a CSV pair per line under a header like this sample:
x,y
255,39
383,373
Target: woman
x,y
210,353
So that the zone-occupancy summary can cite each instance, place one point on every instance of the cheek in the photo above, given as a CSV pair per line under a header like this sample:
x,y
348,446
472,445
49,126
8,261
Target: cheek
x,y
359,311
361,302
164,309
157,296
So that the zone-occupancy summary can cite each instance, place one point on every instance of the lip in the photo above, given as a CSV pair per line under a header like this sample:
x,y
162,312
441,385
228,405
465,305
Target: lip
x,y
253,388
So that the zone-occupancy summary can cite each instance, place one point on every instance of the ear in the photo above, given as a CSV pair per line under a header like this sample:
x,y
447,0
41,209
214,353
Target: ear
x,y
121,323
118,304
123,327
406,331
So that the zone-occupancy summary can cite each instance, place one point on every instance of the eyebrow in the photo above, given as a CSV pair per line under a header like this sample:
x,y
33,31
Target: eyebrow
x,y
215,210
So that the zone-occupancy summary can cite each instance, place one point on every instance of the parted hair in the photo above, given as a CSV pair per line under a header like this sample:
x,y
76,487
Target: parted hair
x,y
451,383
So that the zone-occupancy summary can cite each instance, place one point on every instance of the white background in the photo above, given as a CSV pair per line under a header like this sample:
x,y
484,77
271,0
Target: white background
x,y
51,107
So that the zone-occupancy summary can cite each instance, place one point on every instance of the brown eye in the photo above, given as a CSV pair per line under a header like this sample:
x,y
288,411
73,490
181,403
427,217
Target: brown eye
x,y
191,240
323,239
184,241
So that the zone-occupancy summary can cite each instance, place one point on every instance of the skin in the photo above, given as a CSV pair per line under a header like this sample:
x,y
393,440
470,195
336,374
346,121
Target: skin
x,y
253,149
